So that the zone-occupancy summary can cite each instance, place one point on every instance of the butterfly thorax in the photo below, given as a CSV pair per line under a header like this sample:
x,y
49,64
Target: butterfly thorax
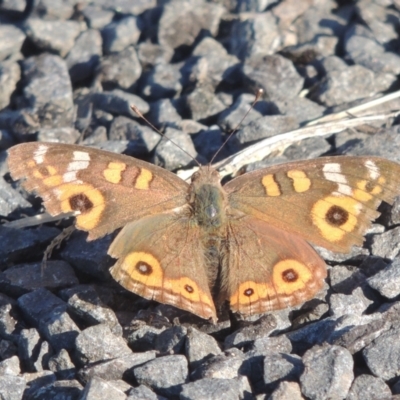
x,y
207,200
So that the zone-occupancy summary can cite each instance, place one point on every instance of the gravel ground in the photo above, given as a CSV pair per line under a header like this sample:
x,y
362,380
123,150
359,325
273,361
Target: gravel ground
x,y
69,71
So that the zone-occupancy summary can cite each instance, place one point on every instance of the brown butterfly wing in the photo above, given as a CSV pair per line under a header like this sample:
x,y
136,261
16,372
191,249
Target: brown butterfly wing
x,y
104,189
267,269
161,258
328,201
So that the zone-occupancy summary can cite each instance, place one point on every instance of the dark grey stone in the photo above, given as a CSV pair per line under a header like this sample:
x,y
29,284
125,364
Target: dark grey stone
x,y
354,304
85,303
328,372
259,33
143,339
16,244
84,57
68,389
62,365
116,368
353,83
127,6
199,17
358,337
12,387
345,278
199,347
7,349
203,104
215,389
118,35
367,387
121,70
89,257
231,117
151,54
11,40
10,366
387,281
225,366
28,348
247,334
307,149
267,126
119,102
163,111
10,74
45,352
275,74
56,9
9,319
23,278
301,108
98,343
96,17
287,390
10,199
208,142
142,392
53,36
386,144
369,53
165,375
168,155
171,340
97,389
47,313
61,135
163,80
210,63
309,25
382,356
387,244
281,367
35,381
48,90
142,139
23,124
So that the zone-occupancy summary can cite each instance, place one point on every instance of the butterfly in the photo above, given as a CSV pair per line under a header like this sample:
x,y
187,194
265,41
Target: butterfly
x,y
197,245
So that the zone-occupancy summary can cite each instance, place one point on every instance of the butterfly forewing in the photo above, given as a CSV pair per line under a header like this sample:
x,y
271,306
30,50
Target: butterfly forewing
x,y
104,189
328,201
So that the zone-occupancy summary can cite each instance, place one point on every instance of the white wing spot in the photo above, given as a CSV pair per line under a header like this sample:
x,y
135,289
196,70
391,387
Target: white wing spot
x,y
373,169
38,155
333,173
80,161
81,156
71,177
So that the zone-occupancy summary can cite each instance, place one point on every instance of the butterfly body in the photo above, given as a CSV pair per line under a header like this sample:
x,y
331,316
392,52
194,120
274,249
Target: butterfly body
x,y
197,245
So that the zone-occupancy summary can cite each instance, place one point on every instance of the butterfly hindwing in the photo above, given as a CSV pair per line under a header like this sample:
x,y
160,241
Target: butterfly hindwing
x,y
268,269
161,258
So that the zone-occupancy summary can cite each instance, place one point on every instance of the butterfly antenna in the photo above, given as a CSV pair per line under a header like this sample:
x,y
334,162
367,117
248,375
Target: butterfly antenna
x,y
258,96
136,110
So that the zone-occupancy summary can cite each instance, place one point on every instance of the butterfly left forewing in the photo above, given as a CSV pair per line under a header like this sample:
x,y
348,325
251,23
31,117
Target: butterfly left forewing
x,y
105,190
329,201
161,258
267,269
